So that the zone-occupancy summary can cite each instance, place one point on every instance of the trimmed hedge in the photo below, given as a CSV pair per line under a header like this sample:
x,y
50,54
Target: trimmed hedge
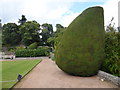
x,y
81,48
32,52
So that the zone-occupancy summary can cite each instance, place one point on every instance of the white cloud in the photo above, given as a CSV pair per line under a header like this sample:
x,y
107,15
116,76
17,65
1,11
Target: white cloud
x,y
40,10
111,10
67,19
10,10
50,11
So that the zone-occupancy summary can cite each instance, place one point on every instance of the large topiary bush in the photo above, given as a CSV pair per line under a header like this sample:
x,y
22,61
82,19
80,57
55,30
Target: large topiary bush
x,y
81,49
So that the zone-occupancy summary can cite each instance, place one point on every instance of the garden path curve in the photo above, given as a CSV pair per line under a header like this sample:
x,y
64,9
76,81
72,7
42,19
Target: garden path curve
x,y
47,75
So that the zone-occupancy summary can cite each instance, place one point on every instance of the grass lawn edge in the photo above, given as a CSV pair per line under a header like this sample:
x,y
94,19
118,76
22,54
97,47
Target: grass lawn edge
x,y
26,74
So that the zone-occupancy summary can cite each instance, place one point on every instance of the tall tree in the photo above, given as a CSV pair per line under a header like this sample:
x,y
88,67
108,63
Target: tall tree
x,y
22,20
59,26
10,34
58,34
30,32
49,27
47,31
54,40
59,29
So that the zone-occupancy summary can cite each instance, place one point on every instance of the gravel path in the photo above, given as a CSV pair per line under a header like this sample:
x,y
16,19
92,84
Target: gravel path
x,y
48,75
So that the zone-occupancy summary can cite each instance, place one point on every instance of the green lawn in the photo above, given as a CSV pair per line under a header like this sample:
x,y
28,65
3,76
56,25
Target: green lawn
x,y
10,70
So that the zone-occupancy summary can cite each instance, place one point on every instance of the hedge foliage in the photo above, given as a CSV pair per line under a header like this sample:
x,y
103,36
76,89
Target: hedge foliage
x,y
111,64
33,46
44,51
81,48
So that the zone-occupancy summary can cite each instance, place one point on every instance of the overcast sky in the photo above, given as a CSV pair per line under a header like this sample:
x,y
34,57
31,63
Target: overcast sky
x,y
54,11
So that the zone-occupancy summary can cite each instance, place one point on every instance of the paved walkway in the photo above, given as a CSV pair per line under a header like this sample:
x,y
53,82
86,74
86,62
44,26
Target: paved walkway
x,y
48,75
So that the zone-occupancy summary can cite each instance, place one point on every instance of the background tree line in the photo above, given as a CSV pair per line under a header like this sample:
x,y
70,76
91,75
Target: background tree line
x,y
29,32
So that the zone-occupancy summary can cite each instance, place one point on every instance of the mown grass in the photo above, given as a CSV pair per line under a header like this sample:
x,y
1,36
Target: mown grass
x,y
11,69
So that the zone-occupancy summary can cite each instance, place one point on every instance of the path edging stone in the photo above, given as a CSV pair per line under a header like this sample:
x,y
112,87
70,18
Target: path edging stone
x,y
109,77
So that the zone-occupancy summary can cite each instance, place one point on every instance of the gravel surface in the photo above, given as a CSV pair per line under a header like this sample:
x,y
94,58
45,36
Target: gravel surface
x,y
47,75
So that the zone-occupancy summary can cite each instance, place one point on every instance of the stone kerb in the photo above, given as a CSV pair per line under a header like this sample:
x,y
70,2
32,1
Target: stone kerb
x,y
109,77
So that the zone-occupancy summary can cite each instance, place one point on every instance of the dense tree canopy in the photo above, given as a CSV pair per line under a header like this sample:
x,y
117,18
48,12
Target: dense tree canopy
x,y
56,36
47,32
30,32
58,27
10,34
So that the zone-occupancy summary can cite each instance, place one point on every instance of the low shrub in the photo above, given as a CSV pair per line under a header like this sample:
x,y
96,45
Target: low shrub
x,y
32,52
11,49
33,46
20,47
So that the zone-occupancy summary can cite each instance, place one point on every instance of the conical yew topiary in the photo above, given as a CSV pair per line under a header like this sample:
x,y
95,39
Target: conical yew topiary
x,y
81,49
